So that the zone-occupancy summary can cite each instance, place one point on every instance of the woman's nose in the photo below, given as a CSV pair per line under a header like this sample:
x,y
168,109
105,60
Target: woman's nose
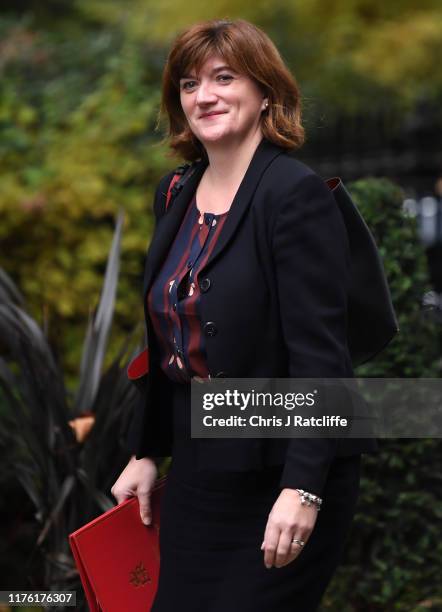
x,y
205,93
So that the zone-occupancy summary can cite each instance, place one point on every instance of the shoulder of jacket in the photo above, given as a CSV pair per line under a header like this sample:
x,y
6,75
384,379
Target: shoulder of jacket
x,y
287,171
282,179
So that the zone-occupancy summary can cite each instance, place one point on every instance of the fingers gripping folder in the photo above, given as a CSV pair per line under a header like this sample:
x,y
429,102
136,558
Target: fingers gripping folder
x,y
116,555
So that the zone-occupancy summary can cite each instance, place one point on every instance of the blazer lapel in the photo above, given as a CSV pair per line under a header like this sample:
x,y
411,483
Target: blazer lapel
x,y
265,152
169,224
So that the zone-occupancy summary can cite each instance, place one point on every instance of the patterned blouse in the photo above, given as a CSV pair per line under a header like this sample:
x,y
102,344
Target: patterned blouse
x,y
173,300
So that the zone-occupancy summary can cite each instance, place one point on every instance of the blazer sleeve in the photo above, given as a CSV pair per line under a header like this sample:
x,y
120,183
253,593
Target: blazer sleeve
x,y
135,429
312,267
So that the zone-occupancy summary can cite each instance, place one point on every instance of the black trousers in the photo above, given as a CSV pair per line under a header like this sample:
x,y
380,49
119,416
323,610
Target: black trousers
x,y
212,527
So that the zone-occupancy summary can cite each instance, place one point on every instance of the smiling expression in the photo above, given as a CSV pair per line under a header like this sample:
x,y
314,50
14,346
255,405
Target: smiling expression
x,y
220,104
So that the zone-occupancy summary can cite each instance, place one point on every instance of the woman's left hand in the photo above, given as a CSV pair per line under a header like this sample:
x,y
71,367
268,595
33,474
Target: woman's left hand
x,y
287,520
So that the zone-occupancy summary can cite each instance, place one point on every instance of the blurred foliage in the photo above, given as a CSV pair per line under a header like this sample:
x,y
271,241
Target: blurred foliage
x,y
68,161
394,560
414,351
49,438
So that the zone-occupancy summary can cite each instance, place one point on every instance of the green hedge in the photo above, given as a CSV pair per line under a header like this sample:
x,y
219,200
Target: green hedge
x,y
393,559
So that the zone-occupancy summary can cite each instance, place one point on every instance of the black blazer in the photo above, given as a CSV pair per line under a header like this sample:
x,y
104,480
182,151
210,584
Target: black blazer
x,y
273,304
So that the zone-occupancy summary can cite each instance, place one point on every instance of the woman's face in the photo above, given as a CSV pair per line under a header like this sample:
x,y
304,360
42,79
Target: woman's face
x,y
221,105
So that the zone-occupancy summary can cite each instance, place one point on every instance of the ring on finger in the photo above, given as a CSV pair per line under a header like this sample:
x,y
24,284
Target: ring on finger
x,y
300,543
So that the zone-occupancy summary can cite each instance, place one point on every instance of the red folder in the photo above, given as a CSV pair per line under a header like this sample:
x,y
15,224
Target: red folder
x,y
138,369
118,558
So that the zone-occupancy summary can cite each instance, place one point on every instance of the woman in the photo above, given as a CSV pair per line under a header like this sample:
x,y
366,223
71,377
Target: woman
x,y
246,277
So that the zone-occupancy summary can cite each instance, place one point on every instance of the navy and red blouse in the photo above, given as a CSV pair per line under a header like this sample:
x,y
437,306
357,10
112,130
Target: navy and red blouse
x,y
173,300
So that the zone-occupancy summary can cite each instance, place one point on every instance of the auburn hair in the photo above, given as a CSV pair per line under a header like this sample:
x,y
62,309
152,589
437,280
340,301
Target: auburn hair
x,y
248,50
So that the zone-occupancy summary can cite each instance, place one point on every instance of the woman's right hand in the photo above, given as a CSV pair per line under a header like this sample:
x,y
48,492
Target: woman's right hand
x,y
137,479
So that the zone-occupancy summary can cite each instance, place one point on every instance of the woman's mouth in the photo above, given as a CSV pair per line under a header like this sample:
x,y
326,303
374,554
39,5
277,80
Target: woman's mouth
x,y
209,115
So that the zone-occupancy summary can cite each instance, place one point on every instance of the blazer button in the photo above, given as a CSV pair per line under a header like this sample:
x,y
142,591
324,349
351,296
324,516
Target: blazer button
x,y
210,329
205,284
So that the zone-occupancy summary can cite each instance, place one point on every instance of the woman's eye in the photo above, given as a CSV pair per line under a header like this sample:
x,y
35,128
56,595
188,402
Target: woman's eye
x,y
223,78
188,84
